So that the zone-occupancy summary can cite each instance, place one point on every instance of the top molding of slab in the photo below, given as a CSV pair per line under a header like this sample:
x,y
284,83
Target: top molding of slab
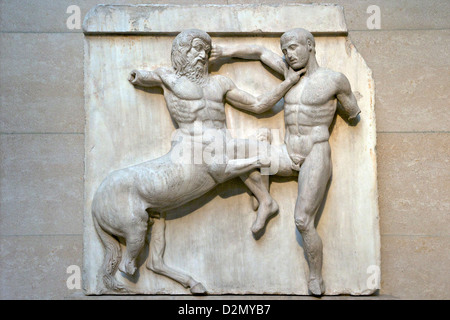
x,y
217,20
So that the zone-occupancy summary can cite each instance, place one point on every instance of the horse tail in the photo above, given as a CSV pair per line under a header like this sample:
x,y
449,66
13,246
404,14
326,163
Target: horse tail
x,y
113,255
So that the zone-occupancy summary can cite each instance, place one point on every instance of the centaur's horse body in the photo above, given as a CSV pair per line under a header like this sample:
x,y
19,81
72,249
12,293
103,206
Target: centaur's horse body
x,y
125,200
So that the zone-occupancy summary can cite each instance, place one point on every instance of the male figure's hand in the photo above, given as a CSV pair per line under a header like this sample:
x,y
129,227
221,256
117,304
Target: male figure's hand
x,y
294,76
218,52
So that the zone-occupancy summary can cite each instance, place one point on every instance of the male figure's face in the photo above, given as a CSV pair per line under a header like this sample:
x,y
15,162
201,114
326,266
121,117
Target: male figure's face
x,y
296,52
198,54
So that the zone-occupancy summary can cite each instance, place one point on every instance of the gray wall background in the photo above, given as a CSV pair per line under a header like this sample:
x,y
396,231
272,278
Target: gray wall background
x,y
42,142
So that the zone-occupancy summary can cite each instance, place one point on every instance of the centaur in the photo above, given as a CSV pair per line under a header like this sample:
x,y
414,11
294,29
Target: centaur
x,y
128,199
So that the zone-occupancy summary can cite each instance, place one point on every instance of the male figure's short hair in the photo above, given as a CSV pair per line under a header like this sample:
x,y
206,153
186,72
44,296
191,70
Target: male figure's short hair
x,y
300,34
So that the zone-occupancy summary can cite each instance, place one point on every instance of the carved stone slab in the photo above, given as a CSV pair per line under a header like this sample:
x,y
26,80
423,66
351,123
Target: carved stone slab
x,y
210,237
214,19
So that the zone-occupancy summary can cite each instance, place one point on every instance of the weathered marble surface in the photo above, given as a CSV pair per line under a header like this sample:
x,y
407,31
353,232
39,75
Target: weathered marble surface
x,y
211,238
215,19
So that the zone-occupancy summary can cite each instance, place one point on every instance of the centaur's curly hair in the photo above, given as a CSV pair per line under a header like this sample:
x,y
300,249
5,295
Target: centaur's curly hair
x,y
182,44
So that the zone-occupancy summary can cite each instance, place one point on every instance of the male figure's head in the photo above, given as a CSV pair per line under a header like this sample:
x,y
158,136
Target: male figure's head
x,y
298,46
190,54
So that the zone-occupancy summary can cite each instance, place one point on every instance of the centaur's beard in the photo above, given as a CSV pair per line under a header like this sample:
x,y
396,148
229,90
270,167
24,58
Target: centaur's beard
x,y
196,71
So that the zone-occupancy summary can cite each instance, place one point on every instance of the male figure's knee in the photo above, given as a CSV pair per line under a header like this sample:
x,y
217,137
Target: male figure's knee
x,y
302,223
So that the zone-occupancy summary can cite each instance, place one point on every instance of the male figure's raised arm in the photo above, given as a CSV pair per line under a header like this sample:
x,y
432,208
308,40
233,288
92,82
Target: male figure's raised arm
x,y
146,78
346,98
245,101
252,52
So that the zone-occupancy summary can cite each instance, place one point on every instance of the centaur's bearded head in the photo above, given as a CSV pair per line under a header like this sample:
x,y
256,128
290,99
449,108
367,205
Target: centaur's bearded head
x,y
190,54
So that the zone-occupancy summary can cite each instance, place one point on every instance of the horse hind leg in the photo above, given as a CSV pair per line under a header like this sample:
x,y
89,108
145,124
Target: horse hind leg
x,y
135,236
157,265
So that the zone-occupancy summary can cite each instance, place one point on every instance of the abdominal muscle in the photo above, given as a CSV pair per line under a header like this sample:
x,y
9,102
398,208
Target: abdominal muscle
x,y
303,131
299,146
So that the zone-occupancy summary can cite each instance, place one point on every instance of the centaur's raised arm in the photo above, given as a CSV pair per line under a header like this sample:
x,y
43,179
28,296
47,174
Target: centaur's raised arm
x,y
146,78
262,103
252,52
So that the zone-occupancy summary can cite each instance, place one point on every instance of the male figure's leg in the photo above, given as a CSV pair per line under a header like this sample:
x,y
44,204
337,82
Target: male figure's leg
x,y
312,182
244,148
267,205
281,164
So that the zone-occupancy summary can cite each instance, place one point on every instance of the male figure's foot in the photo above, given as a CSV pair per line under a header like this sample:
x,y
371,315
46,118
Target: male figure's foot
x,y
265,211
316,287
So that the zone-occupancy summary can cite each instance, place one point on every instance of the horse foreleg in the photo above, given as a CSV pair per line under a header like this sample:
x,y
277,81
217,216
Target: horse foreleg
x,y
236,167
156,261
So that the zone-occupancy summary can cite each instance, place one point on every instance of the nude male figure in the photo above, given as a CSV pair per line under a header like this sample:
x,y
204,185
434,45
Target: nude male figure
x,y
309,109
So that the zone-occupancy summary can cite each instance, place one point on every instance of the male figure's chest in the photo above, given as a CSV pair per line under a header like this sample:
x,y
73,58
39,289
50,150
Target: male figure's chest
x,y
186,89
202,102
316,90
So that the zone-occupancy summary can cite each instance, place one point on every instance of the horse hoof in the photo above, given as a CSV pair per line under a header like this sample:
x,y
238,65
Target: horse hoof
x,y
128,267
198,289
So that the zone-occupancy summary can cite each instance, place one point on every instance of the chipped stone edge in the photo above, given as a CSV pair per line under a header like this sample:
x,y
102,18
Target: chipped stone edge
x,y
106,19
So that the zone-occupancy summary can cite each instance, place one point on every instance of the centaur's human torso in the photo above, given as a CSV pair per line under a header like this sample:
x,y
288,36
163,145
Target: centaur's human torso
x,y
194,105
199,112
